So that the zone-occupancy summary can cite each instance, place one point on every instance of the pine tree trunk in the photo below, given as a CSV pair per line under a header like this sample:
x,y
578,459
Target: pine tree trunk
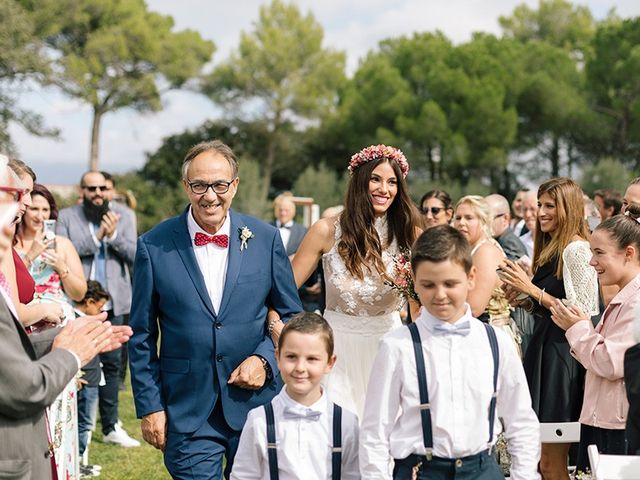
x,y
95,140
555,157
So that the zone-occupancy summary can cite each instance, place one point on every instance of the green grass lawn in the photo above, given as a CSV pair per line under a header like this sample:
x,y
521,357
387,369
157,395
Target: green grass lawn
x,y
144,462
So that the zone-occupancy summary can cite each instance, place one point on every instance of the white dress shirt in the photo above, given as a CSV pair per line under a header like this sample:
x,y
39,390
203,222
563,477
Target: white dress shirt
x,y
527,241
285,231
460,383
304,445
212,259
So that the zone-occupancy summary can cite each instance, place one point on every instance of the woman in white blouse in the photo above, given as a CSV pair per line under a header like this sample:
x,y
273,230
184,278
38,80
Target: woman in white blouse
x,y
561,271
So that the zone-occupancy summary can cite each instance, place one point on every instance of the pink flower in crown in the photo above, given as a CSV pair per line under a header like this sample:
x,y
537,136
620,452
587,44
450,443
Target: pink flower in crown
x,y
379,152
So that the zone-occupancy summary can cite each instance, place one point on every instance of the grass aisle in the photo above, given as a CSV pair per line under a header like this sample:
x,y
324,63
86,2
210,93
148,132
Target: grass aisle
x,y
144,462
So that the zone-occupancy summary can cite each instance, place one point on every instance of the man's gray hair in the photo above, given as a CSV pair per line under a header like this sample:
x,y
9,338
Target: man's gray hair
x,y
215,146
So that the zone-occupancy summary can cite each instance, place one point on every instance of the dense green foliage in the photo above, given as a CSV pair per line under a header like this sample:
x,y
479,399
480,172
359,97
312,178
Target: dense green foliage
x,y
115,54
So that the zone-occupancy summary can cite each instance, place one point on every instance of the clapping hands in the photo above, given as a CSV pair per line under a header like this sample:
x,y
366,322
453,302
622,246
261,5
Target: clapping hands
x,y
566,316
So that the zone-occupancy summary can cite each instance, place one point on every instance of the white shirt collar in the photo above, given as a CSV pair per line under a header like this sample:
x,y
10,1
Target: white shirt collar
x,y
194,228
284,225
9,302
428,321
320,405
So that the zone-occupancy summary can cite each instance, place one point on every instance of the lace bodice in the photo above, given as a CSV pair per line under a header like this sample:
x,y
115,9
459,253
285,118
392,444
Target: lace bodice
x,y
580,279
369,296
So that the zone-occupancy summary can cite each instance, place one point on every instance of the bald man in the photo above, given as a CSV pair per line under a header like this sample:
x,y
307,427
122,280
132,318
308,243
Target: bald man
x,y
513,248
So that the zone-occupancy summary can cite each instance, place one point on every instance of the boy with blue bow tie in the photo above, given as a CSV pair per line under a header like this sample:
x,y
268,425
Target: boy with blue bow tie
x,y
439,387
301,433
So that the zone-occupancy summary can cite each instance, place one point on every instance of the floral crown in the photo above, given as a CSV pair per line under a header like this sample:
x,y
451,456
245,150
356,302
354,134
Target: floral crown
x,y
379,152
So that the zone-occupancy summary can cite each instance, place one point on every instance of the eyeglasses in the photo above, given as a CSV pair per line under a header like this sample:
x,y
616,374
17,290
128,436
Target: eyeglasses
x,y
220,187
93,188
434,210
16,192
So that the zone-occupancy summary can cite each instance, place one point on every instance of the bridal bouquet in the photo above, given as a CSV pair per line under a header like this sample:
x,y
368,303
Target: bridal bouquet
x,y
403,279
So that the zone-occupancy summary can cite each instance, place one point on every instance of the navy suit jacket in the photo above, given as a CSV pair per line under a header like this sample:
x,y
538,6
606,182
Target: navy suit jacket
x,y
298,231
199,347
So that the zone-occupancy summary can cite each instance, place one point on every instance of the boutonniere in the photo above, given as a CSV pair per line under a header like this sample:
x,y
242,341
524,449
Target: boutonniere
x,y
245,236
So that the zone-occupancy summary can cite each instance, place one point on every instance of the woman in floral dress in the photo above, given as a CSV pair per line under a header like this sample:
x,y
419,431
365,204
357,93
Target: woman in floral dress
x,y
55,266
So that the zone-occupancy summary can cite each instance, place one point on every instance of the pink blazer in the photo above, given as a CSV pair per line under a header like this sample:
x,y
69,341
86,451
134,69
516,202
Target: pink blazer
x,y
601,351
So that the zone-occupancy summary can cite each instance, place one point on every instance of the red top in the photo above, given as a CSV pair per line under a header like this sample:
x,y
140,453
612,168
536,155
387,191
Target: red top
x,y
26,283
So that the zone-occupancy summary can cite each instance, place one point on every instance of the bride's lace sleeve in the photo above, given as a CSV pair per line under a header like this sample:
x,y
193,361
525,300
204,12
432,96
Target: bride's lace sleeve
x,y
580,278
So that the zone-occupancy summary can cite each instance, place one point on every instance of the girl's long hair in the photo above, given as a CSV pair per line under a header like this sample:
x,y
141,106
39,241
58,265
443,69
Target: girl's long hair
x,y
567,195
360,245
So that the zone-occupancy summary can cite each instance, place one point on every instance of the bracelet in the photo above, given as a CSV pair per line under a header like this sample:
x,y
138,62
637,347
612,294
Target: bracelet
x,y
65,273
271,324
541,296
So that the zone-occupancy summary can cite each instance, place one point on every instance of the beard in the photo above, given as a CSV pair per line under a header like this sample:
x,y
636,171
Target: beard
x,y
94,212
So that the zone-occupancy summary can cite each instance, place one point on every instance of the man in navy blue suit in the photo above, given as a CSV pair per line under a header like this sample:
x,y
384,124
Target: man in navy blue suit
x,y
202,283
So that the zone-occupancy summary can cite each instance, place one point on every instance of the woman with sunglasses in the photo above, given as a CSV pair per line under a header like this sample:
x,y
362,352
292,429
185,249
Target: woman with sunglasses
x,y
436,208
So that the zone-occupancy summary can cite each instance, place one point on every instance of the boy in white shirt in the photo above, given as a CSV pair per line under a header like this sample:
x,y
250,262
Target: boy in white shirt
x,y
444,425
310,437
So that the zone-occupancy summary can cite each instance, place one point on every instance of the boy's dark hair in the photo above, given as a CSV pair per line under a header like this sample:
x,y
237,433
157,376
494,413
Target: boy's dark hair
x,y
439,244
95,292
309,323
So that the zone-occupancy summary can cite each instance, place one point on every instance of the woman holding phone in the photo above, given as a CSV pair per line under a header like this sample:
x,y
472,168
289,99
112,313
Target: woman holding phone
x,y
52,261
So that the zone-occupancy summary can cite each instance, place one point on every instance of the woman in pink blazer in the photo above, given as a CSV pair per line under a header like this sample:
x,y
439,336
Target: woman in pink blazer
x,y
615,246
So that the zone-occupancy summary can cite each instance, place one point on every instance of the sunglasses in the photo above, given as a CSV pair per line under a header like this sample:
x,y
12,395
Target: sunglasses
x,y
16,192
434,210
92,189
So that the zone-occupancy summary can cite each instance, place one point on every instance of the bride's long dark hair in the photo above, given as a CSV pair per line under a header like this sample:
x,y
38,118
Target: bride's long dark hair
x,y
360,246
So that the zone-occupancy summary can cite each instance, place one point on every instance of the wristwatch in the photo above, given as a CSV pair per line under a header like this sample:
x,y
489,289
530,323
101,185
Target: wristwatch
x,y
267,368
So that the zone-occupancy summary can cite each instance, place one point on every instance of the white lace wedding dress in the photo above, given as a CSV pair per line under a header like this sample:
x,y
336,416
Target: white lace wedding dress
x,y
359,312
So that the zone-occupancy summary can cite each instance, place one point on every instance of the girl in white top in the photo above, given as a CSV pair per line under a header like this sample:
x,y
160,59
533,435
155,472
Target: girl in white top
x,y
303,416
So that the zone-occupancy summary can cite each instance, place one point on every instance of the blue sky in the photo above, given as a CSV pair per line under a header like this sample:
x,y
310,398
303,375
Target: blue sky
x,y
355,26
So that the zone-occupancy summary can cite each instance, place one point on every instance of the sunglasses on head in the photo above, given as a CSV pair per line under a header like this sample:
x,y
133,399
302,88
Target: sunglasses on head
x,y
434,210
92,189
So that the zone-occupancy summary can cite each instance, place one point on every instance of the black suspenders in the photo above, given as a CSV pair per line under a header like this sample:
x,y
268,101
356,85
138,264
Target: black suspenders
x,y
272,451
336,451
425,406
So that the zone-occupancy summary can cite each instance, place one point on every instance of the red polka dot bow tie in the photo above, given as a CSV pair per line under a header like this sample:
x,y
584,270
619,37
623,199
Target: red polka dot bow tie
x,y
220,240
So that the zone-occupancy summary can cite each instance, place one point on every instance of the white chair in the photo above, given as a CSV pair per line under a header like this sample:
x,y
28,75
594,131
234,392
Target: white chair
x,y
563,432
613,467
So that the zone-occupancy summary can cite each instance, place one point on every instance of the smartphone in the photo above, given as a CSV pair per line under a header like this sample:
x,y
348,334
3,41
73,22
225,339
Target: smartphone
x,y
50,233
8,213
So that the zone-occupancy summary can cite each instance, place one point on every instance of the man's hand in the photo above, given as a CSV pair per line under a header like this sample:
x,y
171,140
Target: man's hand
x,y
154,429
85,341
249,375
120,334
109,223
53,313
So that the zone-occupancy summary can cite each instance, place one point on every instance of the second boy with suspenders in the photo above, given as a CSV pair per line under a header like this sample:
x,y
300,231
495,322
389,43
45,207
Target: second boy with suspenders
x,y
301,433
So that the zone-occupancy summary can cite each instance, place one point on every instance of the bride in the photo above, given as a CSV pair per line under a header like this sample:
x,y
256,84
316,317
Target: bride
x,y
360,250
